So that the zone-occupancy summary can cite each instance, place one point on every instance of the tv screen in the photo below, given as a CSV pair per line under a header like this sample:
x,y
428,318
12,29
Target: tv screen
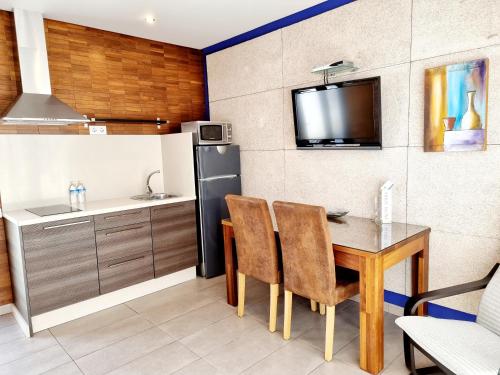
x,y
342,114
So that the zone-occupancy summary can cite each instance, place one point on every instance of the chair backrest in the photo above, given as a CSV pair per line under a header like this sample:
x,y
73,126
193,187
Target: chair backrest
x,y
255,240
489,308
306,246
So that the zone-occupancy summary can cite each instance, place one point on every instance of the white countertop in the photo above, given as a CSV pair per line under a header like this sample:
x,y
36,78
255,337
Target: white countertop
x,y
22,217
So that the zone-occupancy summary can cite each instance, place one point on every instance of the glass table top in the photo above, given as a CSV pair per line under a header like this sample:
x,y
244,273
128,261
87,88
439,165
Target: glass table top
x,y
367,235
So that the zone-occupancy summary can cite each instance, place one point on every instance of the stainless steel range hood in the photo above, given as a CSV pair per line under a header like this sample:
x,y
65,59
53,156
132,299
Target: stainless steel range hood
x,y
36,105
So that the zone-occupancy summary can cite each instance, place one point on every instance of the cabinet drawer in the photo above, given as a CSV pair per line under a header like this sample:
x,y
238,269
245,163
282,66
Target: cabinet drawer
x,y
121,242
61,263
174,237
54,228
121,218
173,211
123,272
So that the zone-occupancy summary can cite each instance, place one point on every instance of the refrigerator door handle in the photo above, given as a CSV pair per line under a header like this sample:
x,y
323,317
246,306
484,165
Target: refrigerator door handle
x,y
226,176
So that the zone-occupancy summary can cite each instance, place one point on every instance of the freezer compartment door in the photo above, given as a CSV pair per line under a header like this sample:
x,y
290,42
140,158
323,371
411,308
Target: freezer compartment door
x,y
214,161
212,209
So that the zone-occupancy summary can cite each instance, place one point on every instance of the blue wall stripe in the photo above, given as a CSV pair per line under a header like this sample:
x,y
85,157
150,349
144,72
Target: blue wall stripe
x,y
439,311
434,310
395,298
206,115
278,24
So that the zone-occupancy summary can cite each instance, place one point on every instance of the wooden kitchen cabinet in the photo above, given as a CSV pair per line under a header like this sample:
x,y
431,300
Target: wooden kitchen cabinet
x,y
121,242
174,237
121,218
124,253
61,263
120,273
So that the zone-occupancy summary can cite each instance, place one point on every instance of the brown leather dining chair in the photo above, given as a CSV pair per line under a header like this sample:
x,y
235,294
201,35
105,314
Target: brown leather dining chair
x,y
255,248
308,264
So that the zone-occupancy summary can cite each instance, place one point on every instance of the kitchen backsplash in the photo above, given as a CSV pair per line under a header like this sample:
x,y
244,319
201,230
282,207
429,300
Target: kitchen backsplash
x,y
38,168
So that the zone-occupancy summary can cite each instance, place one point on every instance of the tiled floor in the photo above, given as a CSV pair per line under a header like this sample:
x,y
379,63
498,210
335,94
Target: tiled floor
x,y
189,329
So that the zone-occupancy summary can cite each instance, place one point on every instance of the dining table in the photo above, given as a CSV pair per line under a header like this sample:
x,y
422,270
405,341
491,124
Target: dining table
x,y
363,245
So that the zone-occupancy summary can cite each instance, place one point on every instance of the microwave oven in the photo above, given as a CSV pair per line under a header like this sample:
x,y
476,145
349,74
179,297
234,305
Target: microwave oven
x,y
209,132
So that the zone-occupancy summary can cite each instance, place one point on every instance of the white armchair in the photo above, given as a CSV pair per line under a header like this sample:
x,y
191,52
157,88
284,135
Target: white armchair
x,y
455,346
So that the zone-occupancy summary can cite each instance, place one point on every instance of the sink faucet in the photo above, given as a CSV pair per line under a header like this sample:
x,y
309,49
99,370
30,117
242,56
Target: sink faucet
x,y
148,188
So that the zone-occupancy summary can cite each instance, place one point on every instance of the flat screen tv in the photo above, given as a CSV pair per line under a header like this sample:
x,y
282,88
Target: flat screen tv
x,y
340,115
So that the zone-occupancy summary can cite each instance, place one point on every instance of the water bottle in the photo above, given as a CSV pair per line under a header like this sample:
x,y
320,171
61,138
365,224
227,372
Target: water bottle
x,y
81,194
73,194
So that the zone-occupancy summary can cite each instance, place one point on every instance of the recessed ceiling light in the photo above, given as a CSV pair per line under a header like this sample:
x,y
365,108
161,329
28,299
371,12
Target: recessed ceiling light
x,y
150,19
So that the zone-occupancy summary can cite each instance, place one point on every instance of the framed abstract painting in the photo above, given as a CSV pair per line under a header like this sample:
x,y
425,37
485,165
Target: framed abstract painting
x,y
456,107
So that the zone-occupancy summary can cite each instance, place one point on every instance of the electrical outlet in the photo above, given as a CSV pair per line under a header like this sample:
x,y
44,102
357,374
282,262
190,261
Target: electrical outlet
x,y
97,130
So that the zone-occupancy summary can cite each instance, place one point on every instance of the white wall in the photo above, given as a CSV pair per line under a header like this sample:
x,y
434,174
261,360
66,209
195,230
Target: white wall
x,y
40,167
178,164
456,194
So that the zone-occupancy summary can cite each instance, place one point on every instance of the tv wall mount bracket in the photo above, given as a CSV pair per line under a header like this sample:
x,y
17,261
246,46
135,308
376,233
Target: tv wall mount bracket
x,y
334,69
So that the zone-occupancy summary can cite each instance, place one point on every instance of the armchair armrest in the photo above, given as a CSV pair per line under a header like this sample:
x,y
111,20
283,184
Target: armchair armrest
x,y
412,304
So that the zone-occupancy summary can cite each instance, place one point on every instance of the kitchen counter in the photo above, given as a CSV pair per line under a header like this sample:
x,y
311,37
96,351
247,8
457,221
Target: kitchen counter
x,y
22,217
69,265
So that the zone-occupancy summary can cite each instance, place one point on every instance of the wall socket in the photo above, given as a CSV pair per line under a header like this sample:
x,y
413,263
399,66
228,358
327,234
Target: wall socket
x,y
97,130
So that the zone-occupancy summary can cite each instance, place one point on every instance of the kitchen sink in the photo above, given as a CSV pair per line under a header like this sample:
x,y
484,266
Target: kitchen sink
x,y
153,196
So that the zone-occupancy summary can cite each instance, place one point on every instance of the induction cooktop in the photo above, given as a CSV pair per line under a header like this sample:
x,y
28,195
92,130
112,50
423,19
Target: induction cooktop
x,y
53,210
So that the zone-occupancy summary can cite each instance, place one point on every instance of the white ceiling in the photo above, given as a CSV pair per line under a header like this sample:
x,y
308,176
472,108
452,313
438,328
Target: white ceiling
x,y
192,23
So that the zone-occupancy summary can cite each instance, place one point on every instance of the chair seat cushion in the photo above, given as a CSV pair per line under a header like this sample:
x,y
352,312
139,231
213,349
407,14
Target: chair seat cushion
x,y
466,348
347,283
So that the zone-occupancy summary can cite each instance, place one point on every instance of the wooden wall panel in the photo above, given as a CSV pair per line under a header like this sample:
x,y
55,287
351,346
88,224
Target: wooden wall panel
x,y
10,86
5,283
10,81
110,75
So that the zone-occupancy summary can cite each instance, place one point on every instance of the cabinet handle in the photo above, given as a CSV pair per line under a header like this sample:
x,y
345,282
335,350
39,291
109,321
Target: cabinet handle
x,y
123,230
66,225
125,261
121,215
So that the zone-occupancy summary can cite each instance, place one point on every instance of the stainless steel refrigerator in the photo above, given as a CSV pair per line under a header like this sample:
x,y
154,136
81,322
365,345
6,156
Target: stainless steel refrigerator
x,y
218,174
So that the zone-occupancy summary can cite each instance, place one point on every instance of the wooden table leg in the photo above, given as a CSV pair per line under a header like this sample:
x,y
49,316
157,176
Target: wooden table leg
x,y
420,272
231,267
371,317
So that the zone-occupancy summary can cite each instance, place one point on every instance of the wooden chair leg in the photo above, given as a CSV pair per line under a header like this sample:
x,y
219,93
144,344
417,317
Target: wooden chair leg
x,y
322,309
273,306
241,294
314,306
329,332
288,315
